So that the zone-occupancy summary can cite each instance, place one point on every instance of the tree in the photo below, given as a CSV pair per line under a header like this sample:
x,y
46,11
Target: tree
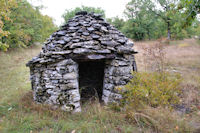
x,y
164,9
190,8
5,11
25,26
117,22
71,13
176,14
144,22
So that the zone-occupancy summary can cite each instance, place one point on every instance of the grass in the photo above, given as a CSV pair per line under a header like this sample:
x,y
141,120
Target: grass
x,y
182,57
19,114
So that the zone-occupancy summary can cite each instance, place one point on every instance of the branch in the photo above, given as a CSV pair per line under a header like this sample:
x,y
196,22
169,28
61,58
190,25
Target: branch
x,y
164,18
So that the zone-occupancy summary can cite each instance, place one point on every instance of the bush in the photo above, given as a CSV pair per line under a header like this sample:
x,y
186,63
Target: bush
x,y
152,89
180,35
147,100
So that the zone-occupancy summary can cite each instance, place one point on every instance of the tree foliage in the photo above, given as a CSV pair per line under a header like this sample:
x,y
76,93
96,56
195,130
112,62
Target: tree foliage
x,y
71,13
22,24
191,8
152,19
162,9
5,11
117,22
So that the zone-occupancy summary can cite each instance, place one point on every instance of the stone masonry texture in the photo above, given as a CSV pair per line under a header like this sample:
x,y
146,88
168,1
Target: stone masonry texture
x,y
54,73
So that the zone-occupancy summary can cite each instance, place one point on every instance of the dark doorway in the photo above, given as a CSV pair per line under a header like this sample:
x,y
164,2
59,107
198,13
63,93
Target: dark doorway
x,y
91,75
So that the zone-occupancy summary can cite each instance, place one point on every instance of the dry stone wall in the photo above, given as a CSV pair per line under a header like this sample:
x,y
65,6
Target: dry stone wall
x,y
86,37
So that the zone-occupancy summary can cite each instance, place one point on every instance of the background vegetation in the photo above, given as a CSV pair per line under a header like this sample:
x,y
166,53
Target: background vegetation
x,y
71,13
22,24
148,19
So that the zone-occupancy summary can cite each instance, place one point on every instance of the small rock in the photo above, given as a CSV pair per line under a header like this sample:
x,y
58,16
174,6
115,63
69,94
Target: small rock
x,y
86,34
104,51
109,43
90,29
96,57
122,41
97,26
73,28
61,33
104,29
94,36
60,42
75,40
73,24
69,76
67,39
81,51
81,13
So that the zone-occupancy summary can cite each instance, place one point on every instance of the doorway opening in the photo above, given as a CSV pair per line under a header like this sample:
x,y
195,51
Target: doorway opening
x,y
91,76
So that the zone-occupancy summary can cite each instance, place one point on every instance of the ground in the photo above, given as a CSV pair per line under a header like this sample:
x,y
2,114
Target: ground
x,y
18,113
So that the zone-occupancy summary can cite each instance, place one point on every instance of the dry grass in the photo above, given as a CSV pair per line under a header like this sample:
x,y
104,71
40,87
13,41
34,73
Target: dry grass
x,y
159,120
181,57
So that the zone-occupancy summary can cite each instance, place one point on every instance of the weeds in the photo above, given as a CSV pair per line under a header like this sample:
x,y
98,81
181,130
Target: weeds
x,y
148,99
154,57
152,89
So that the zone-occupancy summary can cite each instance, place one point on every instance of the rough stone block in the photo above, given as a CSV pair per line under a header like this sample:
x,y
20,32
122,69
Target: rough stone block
x,y
69,76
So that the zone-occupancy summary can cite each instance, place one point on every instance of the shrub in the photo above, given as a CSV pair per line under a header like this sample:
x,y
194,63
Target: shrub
x,y
152,89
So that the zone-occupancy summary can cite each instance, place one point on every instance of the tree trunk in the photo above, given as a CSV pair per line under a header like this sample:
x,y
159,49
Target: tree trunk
x,y
148,33
168,29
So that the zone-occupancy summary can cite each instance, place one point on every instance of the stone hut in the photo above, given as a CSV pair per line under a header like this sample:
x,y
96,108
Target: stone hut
x,y
85,58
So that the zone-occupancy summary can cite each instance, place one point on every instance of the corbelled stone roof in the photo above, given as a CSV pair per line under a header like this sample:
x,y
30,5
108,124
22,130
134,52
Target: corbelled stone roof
x,y
85,36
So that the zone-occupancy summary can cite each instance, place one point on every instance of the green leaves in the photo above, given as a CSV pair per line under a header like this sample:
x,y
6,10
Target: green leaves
x,y
4,46
71,13
190,10
153,89
149,19
5,11
25,25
